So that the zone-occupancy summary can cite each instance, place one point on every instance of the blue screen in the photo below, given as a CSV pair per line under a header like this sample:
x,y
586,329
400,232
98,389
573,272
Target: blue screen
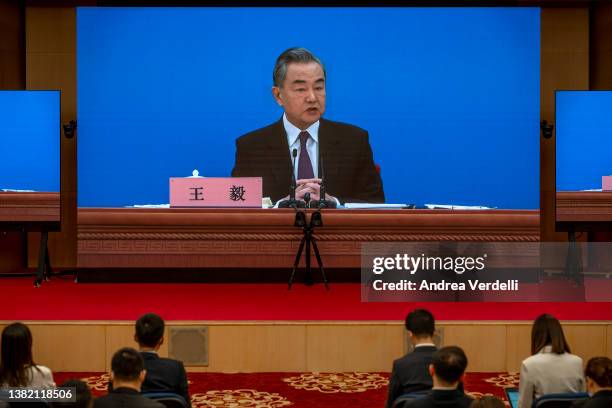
x,y
583,139
449,96
30,140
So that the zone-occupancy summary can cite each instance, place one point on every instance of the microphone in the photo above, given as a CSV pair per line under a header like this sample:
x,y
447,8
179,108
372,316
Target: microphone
x,y
292,202
322,202
293,180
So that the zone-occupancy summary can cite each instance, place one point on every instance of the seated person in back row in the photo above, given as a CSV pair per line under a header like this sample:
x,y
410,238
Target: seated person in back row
x,y
163,374
411,372
127,375
598,374
447,370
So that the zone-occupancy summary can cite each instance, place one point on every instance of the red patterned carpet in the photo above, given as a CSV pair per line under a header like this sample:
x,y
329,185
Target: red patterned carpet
x,y
299,390
62,299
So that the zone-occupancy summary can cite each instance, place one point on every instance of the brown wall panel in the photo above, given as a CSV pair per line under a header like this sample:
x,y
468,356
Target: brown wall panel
x,y
564,65
308,346
601,46
12,76
12,62
51,64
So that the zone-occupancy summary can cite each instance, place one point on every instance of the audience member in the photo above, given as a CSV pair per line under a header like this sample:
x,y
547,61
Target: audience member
x,y
411,372
598,375
551,368
127,375
163,374
447,370
488,401
82,394
17,368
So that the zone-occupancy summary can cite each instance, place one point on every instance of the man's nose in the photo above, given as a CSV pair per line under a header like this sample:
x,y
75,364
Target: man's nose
x,y
310,96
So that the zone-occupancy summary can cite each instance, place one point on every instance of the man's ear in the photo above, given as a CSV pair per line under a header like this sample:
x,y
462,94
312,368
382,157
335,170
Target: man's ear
x,y
432,371
112,376
142,375
276,93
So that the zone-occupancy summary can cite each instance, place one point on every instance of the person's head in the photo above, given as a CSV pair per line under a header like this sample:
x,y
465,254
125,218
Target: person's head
x,y
448,366
299,86
488,401
421,325
127,369
82,394
15,355
547,331
598,373
149,331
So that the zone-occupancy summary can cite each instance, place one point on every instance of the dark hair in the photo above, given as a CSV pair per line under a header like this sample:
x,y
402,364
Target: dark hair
x,y
127,364
449,363
546,330
16,355
599,369
488,401
149,329
292,55
83,394
421,323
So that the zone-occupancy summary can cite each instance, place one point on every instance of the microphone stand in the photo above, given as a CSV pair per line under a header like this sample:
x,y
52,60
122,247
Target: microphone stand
x,y
308,240
292,202
322,202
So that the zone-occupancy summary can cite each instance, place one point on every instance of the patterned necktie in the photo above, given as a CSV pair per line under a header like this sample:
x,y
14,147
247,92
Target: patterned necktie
x,y
304,165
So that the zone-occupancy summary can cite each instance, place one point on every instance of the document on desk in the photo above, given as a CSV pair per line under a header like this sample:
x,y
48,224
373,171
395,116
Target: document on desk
x,y
366,206
457,207
148,206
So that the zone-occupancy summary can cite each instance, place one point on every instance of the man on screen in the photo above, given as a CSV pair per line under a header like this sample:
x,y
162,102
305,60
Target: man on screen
x,y
336,153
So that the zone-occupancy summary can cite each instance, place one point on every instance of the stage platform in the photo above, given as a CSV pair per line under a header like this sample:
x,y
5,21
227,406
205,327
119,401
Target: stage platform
x,y
266,328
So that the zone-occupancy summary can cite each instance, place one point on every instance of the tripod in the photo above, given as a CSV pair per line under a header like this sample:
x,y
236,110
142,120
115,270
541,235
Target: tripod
x,y
307,240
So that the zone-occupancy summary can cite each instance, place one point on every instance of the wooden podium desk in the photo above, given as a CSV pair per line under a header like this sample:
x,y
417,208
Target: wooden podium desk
x,y
29,211
266,238
33,211
584,210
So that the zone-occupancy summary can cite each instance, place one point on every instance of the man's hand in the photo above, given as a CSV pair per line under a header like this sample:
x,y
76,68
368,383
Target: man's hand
x,y
312,186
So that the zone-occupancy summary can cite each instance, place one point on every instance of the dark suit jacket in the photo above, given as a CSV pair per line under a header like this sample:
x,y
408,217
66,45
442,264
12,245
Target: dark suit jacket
x,y
411,373
441,399
125,398
350,173
601,399
164,375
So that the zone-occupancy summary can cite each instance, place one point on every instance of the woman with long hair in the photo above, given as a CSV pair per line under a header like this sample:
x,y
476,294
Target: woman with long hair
x,y
551,367
17,368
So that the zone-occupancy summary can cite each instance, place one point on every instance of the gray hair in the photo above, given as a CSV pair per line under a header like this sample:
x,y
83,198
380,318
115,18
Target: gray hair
x,y
293,55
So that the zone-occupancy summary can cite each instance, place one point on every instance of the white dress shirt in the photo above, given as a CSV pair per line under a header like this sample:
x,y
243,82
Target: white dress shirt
x,y
312,144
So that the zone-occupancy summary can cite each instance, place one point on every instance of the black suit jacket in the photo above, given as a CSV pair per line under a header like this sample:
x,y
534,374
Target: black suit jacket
x,y
125,398
441,399
350,173
601,399
164,375
411,373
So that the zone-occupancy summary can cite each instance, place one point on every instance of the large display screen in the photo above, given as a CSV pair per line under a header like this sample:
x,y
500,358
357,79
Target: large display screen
x,y
449,96
583,139
30,140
